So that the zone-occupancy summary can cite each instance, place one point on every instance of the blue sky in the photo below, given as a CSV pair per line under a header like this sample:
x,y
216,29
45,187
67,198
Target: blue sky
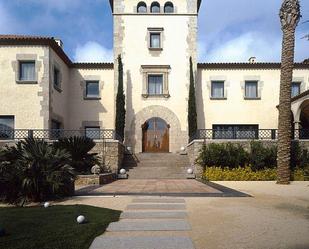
x,y
229,30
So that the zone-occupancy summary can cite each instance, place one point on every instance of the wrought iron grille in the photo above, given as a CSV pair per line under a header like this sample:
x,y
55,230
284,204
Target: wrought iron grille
x,y
55,134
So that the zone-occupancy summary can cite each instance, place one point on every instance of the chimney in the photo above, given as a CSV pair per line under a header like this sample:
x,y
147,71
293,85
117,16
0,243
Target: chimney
x,y
59,42
252,60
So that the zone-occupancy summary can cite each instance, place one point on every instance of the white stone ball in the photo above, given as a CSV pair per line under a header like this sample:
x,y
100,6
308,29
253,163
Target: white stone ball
x,y
80,219
182,148
129,148
190,171
46,204
122,171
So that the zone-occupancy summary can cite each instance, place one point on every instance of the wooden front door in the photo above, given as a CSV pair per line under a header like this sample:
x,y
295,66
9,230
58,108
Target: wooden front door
x,y
155,136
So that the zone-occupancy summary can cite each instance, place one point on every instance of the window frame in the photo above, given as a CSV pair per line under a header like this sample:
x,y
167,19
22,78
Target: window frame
x,y
298,83
93,127
141,4
155,31
162,84
169,4
155,4
211,90
257,97
8,134
20,71
92,97
234,131
57,86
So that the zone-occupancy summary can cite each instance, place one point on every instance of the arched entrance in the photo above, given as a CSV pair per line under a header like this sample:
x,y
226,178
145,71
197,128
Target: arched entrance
x,y
155,136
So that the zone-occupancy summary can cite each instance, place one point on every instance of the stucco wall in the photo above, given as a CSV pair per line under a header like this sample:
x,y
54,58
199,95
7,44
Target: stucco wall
x,y
27,102
100,111
235,109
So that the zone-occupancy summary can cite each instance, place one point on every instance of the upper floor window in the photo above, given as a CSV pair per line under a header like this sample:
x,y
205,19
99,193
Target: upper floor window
x,y
92,89
155,7
168,7
6,127
251,89
141,7
27,71
217,89
57,78
295,89
155,84
155,40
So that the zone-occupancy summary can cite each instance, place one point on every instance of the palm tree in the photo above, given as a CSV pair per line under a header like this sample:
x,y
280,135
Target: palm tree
x,y
289,17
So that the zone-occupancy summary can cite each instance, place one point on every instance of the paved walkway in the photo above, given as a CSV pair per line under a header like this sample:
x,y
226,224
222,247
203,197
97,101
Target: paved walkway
x,y
149,223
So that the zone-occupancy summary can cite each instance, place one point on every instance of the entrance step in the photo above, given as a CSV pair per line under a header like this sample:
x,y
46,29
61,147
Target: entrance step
x,y
158,200
149,225
153,215
161,206
156,166
142,242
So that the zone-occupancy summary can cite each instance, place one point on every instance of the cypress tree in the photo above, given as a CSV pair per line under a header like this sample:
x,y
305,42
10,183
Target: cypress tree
x,y
120,103
192,116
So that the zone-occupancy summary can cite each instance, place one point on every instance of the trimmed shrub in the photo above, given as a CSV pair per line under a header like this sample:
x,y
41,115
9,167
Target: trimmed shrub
x,y
261,157
246,174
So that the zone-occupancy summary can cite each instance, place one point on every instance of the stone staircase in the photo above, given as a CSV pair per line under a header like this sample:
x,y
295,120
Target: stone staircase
x,y
156,166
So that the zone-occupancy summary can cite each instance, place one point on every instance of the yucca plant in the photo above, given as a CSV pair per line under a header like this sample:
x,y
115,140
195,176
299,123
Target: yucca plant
x,y
79,148
35,171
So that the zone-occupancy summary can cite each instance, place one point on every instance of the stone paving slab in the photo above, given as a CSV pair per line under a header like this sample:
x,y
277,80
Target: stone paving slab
x,y
142,243
158,200
153,215
149,225
161,206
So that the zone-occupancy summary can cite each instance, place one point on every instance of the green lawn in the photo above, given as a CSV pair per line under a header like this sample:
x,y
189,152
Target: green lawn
x,y
54,227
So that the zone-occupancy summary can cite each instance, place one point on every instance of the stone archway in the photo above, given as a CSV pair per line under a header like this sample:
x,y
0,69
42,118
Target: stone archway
x,y
134,135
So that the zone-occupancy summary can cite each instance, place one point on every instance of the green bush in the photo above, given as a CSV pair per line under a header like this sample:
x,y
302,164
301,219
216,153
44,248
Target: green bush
x,y
222,155
246,174
79,147
34,170
261,157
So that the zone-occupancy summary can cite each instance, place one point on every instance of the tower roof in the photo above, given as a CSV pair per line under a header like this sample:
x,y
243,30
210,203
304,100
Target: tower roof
x,y
198,4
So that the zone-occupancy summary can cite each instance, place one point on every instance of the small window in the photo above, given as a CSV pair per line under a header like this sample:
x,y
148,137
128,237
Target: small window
x,y
251,89
27,71
141,7
92,132
57,78
155,7
155,84
6,127
169,7
217,89
155,40
55,125
92,89
295,88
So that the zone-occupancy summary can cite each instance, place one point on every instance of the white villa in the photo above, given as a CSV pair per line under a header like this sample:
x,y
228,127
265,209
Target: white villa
x,y
42,89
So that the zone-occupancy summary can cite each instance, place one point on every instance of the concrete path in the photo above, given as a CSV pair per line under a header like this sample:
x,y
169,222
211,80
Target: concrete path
x,y
149,223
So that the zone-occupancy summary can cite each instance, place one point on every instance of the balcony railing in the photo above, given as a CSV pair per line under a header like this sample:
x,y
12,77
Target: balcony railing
x,y
55,134
261,134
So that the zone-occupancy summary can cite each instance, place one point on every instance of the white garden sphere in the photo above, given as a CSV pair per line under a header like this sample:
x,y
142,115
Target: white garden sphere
x,y
122,171
182,148
46,204
190,171
80,219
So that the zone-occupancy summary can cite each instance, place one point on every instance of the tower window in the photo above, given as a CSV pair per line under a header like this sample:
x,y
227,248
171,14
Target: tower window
x,y
141,7
168,7
155,7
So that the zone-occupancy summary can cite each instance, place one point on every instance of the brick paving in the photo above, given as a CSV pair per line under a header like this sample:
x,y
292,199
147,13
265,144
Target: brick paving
x,y
141,186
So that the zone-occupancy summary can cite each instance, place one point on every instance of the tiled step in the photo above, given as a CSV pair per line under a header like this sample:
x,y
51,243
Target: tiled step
x,y
153,215
149,225
169,242
158,200
151,206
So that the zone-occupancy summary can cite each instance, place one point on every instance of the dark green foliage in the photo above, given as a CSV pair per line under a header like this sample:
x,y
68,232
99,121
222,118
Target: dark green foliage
x,y
299,156
79,147
120,103
222,155
54,227
192,116
34,171
261,157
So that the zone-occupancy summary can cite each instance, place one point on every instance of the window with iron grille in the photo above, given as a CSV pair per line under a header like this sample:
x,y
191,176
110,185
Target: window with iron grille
x,y
235,131
7,127
92,132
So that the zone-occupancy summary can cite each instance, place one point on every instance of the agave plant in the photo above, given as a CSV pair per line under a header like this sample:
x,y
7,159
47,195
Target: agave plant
x,y
79,148
34,171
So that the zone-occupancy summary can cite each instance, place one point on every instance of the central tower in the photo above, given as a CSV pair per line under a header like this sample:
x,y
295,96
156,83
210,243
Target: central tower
x,y
155,40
